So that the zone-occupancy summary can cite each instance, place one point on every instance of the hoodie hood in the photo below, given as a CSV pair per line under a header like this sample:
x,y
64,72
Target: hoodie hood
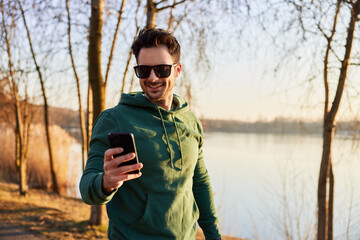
x,y
137,99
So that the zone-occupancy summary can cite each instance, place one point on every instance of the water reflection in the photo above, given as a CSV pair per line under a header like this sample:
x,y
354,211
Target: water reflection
x,y
266,184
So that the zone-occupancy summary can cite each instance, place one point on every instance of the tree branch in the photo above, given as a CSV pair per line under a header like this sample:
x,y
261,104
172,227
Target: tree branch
x,y
326,57
345,63
155,4
171,6
121,10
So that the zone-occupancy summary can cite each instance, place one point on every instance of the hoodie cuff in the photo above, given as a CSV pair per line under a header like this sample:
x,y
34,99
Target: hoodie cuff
x,y
98,185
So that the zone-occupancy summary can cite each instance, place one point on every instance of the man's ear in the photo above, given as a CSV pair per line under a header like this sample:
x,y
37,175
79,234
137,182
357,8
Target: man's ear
x,y
177,70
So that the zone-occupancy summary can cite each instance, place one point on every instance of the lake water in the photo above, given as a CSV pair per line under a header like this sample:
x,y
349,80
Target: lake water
x,y
266,184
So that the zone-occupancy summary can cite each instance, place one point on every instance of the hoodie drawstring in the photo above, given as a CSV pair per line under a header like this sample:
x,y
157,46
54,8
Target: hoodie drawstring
x,y
177,133
168,141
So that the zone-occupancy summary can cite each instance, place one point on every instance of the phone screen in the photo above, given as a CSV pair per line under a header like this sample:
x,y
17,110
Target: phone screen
x,y
127,142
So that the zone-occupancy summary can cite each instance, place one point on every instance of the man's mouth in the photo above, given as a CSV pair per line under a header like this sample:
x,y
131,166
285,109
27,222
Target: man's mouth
x,y
155,85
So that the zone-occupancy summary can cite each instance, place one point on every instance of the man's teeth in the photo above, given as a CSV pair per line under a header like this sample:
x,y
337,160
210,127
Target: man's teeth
x,y
155,86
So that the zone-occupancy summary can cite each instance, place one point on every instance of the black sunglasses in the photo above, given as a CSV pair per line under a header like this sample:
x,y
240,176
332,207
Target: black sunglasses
x,y
161,70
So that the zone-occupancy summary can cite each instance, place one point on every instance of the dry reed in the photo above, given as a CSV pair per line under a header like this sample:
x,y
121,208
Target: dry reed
x,y
38,167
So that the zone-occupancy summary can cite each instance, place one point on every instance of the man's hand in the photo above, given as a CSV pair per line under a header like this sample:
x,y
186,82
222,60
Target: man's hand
x,y
115,176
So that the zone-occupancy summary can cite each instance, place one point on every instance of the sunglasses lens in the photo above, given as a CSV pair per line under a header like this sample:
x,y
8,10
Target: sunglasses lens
x,y
142,71
162,71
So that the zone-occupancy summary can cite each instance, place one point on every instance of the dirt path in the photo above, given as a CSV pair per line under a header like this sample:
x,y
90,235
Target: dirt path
x,y
10,232
43,215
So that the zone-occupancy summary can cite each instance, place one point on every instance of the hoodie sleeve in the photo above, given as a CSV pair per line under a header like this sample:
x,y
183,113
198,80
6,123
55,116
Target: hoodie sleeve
x,y
91,180
204,198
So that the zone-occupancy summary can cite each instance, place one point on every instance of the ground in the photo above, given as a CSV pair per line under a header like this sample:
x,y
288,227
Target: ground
x,y
48,216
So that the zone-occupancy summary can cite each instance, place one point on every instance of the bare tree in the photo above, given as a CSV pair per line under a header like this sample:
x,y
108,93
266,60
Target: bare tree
x,y
310,20
55,186
22,124
326,177
96,81
84,138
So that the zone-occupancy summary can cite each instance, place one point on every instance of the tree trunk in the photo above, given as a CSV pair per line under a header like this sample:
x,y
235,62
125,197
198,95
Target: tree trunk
x,y
325,167
331,202
326,176
96,81
19,133
17,142
89,116
55,186
94,57
151,13
81,112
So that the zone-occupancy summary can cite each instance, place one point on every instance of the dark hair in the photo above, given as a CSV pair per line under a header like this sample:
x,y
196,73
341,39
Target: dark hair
x,y
154,37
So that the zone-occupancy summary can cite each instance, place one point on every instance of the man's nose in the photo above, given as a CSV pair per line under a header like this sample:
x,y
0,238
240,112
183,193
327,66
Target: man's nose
x,y
152,75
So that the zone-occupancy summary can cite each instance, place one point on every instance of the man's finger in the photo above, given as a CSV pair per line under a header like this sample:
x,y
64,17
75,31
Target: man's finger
x,y
125,158
128,168
130,176
111,152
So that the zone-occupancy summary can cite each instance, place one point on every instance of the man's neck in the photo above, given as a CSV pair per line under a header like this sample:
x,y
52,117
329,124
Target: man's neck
x,y
166,103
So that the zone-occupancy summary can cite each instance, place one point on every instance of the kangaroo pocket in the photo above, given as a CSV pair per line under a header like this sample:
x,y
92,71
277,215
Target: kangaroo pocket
x,y
167,215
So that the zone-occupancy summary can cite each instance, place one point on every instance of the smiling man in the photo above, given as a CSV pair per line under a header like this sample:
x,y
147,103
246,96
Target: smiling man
x,y
172,192
158,89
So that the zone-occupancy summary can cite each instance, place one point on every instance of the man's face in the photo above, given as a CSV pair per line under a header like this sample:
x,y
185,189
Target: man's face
x,y
158,90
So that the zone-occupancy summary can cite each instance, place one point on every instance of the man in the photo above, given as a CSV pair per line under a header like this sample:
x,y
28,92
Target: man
x,y
172,192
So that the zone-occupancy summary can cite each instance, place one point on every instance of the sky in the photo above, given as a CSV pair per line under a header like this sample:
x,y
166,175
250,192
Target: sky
x,y
246,92
239,95
241,84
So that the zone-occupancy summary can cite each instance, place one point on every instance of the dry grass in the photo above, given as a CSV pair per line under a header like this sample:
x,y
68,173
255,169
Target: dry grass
x,y
51,216
47,215
38,169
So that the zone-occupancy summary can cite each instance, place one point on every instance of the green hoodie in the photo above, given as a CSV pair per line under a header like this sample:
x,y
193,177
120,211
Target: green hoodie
x,y
174,190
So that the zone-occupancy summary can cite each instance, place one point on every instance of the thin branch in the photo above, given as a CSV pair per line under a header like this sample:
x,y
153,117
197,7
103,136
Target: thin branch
x,y
137,32
130,51
170,6
322,31
178,22
121,10
155,4
335,54
171,18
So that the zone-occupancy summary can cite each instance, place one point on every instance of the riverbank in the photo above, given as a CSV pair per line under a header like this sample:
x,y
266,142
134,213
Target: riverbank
x,y
47,215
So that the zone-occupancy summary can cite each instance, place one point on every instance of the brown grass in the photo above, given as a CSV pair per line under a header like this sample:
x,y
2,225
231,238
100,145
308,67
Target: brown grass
x,y
38,170
51,216
47,214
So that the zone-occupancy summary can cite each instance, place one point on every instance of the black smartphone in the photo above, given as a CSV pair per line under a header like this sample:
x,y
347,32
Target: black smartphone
x,y
127,142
